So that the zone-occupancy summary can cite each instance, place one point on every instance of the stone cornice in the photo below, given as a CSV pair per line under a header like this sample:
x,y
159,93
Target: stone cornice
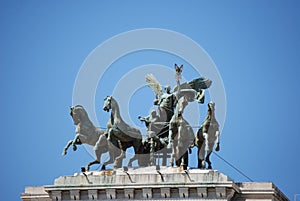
x,y
150,183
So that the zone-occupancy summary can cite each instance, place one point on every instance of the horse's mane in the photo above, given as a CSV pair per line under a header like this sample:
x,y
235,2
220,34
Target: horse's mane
x,y
84,112
210,117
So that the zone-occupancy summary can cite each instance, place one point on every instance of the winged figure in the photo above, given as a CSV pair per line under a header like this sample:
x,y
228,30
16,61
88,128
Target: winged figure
x,y
154,85
192,90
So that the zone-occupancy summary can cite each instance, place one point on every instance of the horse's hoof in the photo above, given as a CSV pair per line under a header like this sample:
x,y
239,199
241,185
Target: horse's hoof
x,y
203,165
103,168
64,153
74,148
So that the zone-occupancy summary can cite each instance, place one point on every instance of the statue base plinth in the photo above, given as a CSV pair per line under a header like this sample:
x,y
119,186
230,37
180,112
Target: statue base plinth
x,y
152,183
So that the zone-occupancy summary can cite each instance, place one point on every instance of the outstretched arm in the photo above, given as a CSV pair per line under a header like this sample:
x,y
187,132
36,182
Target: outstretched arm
x,y
145,119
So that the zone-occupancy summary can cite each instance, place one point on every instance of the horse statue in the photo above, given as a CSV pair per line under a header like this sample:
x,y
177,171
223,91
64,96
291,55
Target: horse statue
x,y
206,137
86,132
181,135
126,136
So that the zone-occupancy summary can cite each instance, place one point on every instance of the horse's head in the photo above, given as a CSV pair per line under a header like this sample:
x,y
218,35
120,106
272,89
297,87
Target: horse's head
x,y
211,110
211,106
76,113
71,110
107,103
181,104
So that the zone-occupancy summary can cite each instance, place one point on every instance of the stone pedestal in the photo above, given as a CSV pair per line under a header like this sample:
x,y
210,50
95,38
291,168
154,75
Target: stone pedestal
x,y
149,184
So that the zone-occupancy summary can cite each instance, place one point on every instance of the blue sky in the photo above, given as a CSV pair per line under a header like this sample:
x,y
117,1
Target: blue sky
x,y
254,44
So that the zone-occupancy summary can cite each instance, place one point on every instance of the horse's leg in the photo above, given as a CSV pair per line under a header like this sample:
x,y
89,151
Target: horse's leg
x,y
67,147
201,156
184,162
119,160
207,147
131,160
172,158
182,154
98,152
171,137
111,148
100,147
113,152
180,144
208,153
138,149
208,161
178,156
186,158
135,157
178,162
199,160
111,160
76,141
96,161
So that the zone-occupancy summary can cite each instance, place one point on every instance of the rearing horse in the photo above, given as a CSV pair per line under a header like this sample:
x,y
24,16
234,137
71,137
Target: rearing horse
x,y
86,132
126,135
207,135
181,135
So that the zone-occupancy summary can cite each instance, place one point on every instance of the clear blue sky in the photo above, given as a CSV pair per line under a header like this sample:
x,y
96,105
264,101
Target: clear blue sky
x,y
254,44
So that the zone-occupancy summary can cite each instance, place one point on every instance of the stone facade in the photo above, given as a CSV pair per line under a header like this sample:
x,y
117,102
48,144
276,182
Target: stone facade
x,y
151,184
